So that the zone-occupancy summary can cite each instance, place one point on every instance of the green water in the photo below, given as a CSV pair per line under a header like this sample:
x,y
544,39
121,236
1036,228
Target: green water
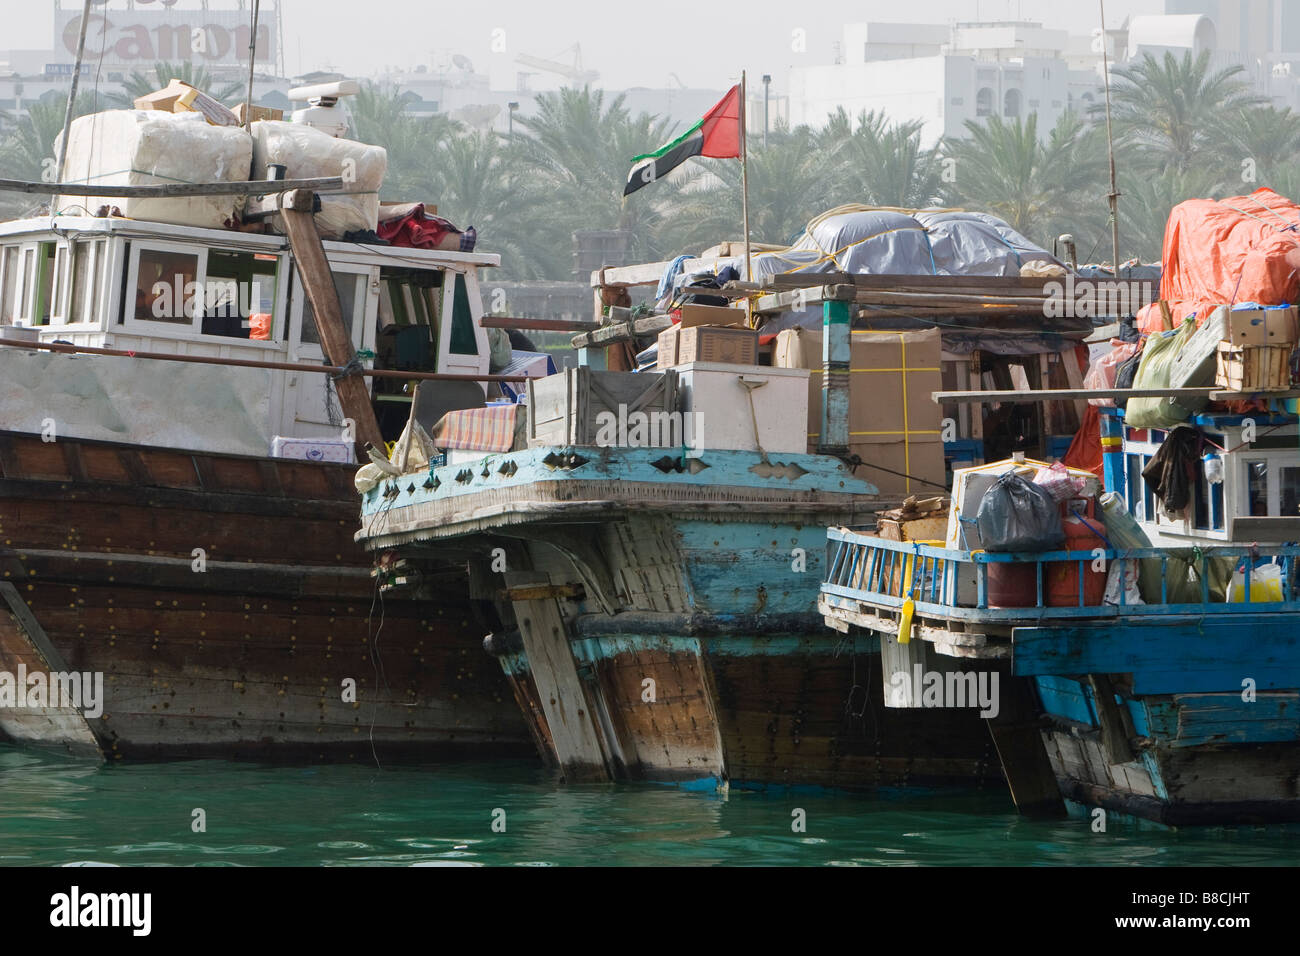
x,y
55,811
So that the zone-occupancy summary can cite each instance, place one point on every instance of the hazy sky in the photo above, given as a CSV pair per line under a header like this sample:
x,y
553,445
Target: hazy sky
x,y
631,42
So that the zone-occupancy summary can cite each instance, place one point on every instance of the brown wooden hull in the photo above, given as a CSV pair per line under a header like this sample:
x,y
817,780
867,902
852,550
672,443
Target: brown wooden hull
x,y
762,710
247,655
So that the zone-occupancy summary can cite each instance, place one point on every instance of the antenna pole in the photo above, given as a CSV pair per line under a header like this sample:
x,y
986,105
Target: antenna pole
x,y
744,174
252,59
1110,145
72,96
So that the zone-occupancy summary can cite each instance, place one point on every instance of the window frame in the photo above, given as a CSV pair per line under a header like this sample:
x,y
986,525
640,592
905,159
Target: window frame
x,y
192,332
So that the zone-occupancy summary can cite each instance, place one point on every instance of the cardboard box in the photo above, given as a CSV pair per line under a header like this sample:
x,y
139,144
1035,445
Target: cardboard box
x,y
259,113
886,403
886,465
179,97
1282,325
1273,326
693,315
726,345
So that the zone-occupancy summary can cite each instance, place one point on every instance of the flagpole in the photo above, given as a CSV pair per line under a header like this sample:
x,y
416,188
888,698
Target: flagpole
x,y
744,172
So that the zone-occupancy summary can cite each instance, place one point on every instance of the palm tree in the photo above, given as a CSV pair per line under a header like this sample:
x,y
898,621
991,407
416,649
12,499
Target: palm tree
x,y
789,183
1148,200
28,152
880,163
484,184
1257,142
379,116
1171,109
1040,189
141,84
579,150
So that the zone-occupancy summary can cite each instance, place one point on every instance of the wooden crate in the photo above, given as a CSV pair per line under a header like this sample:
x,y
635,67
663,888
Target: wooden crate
x,y
1253,368
564,409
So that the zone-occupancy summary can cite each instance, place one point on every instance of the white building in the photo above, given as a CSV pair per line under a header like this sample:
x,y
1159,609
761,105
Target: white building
x,y
940,75
946,75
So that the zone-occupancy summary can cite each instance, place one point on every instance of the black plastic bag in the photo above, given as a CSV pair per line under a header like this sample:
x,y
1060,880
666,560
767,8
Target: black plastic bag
x,y
1018,515
1125,374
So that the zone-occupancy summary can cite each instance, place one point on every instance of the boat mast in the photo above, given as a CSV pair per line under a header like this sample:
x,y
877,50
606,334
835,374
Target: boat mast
x,y
252,58
72,96
1110,145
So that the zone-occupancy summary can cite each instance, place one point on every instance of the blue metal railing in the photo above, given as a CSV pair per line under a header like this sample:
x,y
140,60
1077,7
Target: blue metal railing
x,y
953,584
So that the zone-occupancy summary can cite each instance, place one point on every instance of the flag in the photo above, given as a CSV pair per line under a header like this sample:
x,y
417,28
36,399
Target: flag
x,y
716,135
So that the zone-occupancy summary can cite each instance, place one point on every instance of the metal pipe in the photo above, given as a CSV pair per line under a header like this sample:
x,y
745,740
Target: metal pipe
x,y
250,363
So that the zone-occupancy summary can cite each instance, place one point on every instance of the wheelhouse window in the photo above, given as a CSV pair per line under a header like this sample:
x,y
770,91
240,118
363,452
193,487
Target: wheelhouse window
x,y
1256,489
8,282
220,292
167,286
43,278
76,281
348,286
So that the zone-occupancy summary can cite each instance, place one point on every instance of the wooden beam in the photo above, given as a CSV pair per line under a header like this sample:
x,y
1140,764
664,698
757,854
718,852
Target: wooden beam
x,y
539,325
318,282
1067,394
256,187
622,331
648,273
1018,739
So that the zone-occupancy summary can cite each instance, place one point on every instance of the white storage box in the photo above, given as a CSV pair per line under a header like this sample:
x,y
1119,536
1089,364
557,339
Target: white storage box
x,y
314,449
718,397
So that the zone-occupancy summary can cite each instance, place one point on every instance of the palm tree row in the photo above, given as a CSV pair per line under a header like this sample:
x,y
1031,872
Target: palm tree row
x,y
1181,130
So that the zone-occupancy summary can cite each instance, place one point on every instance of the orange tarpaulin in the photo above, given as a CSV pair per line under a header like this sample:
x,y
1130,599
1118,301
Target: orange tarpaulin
x,y
1242,249
1085,450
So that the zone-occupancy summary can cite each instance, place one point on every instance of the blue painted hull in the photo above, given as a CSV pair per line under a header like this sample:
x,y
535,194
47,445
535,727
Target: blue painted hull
x,y
682,597
1202,724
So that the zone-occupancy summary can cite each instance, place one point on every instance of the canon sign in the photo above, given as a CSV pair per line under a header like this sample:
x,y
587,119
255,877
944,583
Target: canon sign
x,y
147,37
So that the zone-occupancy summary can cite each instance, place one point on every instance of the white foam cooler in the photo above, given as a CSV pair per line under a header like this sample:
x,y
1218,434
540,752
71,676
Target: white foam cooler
x,y
314,449
720,395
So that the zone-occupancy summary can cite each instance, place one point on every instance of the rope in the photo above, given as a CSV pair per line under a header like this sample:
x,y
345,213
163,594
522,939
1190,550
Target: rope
x,y
854,461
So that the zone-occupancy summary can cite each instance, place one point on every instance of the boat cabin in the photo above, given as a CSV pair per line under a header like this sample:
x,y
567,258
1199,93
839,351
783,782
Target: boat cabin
x,y
152,287
1257,498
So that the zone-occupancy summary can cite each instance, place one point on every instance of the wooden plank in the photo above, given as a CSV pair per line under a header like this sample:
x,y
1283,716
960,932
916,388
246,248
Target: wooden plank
x,y
571,725
1114,738
1067,394
622,331
318,281
538,325
1018,738
1183,658
256,187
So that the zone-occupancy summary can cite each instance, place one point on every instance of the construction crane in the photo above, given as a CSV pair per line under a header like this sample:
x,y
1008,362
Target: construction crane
x,y
575,74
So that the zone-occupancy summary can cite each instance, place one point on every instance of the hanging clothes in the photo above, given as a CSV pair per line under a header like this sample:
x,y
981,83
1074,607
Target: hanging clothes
x,y
1171,473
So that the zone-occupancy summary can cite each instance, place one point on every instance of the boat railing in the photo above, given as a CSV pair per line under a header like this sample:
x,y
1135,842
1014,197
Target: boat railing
x,y
953,584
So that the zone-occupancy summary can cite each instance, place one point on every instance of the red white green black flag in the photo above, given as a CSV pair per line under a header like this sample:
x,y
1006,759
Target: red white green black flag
x,y
716,135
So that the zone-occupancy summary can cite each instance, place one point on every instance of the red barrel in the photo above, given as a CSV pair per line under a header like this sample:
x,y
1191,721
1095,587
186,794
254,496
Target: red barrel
x,y
1013,585
1061,578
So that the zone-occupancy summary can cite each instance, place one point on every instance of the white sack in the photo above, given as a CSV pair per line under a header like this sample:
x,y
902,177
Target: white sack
x,y
149,147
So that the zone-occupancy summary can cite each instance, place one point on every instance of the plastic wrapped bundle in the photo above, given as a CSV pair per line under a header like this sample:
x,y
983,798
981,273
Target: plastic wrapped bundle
x,y
307,153
149,147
